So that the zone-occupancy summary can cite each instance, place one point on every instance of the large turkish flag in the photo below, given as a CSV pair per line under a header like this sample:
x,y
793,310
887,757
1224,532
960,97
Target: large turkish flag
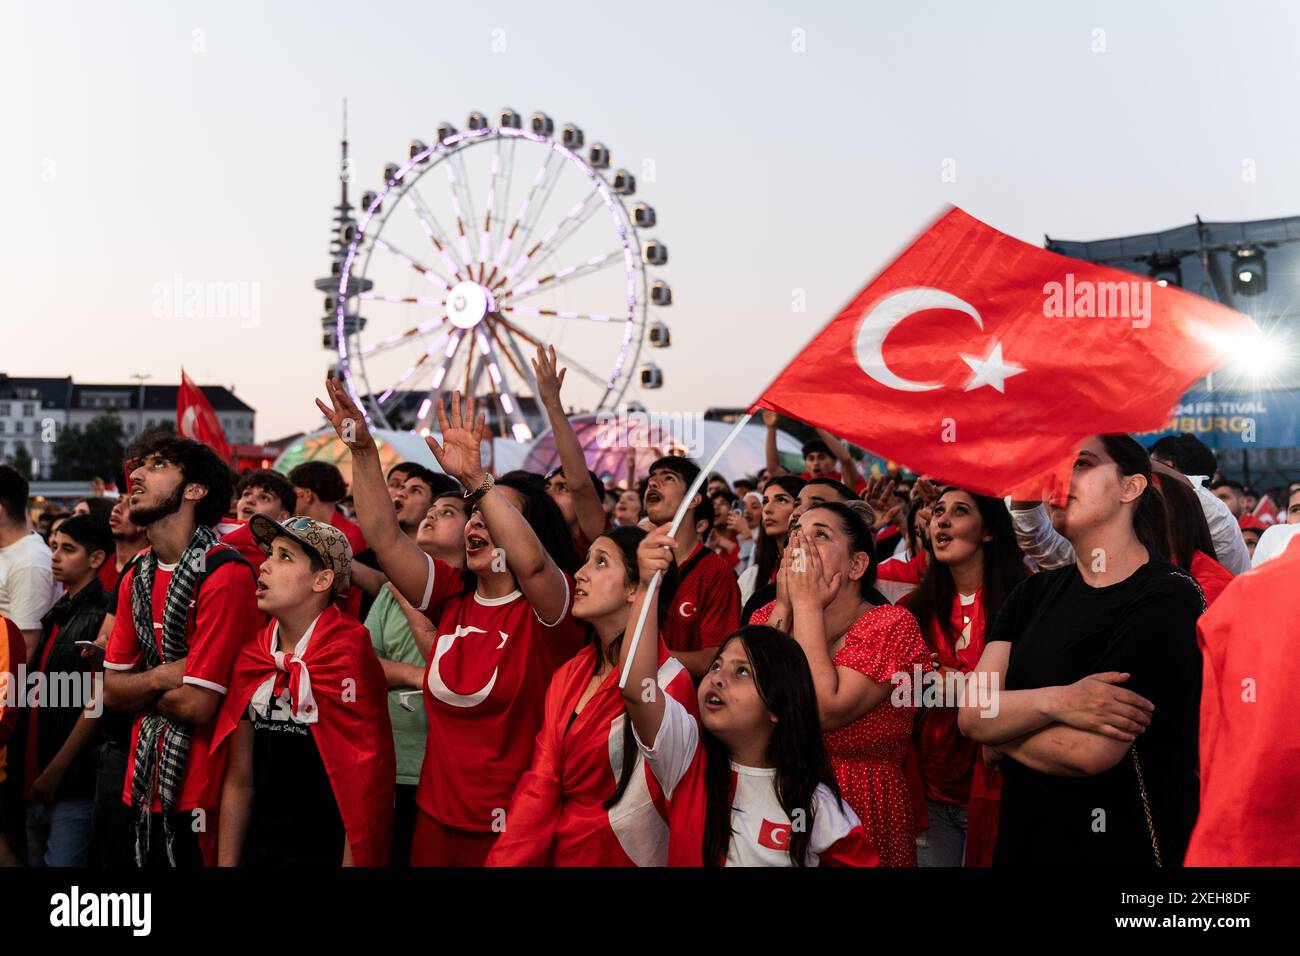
x,y
984,360
195,418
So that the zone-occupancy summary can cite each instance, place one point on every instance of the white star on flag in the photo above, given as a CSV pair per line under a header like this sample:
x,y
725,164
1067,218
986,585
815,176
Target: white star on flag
x,y
991,370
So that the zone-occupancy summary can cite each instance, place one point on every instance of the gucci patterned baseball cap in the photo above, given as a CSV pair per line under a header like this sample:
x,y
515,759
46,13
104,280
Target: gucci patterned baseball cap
x,y
325,540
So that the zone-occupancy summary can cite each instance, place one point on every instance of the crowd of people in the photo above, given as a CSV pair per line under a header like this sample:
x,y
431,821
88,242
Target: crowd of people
x,y
425,667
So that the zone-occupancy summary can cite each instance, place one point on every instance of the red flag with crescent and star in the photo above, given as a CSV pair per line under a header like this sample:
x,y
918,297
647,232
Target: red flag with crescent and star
x,y
195,418
985,360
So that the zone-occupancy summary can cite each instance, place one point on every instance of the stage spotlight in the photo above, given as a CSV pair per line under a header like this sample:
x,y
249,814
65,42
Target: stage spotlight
x,y
1165,270
1249,274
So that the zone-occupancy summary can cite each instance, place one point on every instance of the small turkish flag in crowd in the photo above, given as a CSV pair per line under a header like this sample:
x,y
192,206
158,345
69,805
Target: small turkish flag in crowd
x,y
979,358
774,836
195,418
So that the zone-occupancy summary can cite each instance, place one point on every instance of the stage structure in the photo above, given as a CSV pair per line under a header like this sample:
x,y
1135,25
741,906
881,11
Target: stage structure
x,y
1253,267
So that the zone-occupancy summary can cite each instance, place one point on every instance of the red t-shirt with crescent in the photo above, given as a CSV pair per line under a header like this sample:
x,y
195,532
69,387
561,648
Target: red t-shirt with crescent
x,y
484,695
705,607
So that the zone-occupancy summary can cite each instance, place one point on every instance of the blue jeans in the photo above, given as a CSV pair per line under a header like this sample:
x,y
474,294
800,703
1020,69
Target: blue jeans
x,y
944,843
59,833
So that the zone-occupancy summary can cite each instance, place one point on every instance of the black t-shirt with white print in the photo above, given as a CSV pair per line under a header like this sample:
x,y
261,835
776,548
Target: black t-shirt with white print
x,y
295,818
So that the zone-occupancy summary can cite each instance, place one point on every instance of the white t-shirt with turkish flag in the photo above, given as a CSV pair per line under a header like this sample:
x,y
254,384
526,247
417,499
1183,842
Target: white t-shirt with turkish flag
x,y
760,827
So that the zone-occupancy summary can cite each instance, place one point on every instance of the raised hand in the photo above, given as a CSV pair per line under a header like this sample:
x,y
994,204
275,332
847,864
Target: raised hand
x,y
769,418
927,491
655,552
879,494
550,377
461,452
347,419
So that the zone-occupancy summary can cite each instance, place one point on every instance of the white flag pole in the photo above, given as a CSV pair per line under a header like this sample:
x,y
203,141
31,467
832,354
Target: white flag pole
x,y
699,481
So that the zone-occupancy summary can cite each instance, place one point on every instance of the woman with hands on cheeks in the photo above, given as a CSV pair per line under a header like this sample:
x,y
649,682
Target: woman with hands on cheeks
x,y
855,644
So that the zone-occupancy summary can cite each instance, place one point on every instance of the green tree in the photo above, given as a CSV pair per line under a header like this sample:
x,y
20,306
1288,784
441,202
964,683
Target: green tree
x,y
95,451
22,460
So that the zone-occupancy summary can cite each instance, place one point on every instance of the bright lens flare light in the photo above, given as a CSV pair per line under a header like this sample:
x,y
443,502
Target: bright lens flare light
x,y
1254,360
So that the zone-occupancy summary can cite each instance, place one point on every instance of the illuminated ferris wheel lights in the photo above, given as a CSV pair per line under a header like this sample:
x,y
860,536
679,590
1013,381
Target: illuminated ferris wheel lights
x,y
424,408
522,432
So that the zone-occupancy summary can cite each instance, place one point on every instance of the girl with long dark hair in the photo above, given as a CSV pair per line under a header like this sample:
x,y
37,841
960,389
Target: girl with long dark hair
x,y
589,799
976,564
780,496
855,643
749,783
1097,678
503,626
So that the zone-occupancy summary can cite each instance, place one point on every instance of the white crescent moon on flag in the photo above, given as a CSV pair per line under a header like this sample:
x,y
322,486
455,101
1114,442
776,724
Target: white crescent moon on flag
x,y
436,685
188,421
889,312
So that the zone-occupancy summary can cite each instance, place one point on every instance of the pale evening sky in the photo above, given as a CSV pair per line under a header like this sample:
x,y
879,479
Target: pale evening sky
x,y
132,157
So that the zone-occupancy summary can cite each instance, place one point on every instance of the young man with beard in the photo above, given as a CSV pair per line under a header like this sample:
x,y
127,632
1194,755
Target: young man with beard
x,y
60,748
310,778
260,492
184,610
706,606
392,623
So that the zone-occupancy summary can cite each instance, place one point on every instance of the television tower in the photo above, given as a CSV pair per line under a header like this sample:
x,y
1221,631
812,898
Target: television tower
x,y
345,230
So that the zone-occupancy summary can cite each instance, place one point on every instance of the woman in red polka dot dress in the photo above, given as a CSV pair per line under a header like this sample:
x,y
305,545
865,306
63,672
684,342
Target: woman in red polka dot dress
x,y
855,642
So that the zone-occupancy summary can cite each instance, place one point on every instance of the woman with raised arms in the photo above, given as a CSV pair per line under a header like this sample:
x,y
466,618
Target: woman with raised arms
x,y
504,625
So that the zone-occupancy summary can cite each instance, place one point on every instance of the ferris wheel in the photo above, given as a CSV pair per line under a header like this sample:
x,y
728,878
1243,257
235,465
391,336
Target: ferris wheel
x,y
481,246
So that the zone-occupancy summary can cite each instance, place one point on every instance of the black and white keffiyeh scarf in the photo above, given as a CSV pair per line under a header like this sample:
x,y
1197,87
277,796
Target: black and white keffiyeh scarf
x,y
163,750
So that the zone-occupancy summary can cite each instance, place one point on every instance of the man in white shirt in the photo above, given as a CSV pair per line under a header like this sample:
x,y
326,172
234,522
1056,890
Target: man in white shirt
x,y
27,588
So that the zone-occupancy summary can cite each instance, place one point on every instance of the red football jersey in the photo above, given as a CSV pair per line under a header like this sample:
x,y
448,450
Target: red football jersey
x,y
705,607
242,540
226,617
350,602
484,693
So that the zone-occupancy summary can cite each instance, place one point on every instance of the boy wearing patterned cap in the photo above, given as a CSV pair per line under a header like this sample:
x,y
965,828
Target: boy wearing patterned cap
x,y
311,766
